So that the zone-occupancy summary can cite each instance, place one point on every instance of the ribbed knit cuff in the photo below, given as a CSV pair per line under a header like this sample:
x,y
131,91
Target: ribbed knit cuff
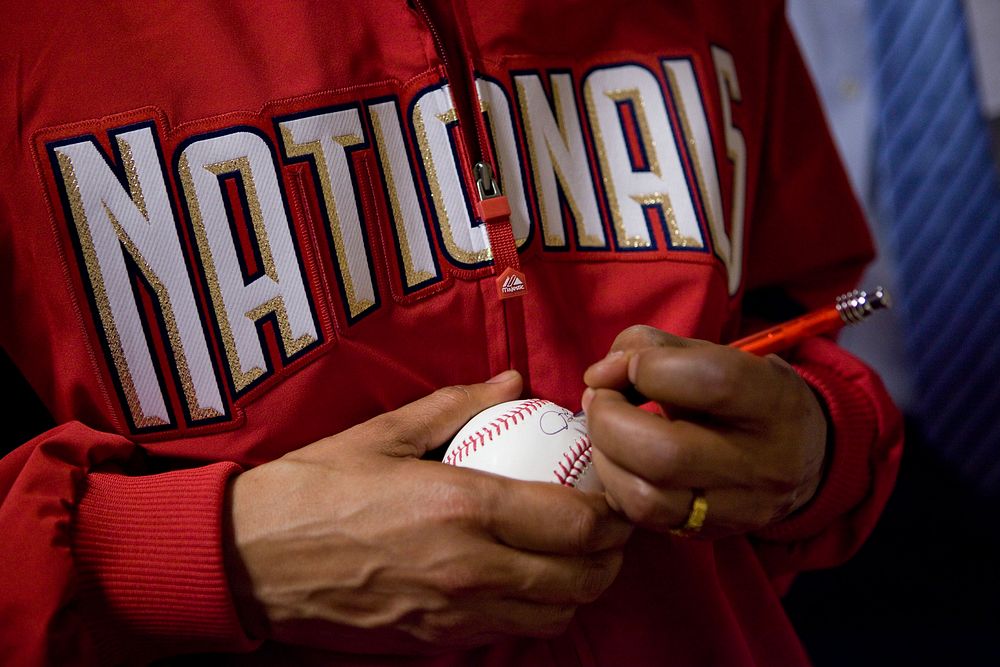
x,y
149,554
848,469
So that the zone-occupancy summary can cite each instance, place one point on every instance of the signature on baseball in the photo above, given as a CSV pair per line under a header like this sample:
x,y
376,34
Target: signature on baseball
x,y
552,422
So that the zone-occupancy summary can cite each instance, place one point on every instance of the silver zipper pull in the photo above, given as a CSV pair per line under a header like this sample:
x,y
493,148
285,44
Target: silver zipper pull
x,y
494,209
485,182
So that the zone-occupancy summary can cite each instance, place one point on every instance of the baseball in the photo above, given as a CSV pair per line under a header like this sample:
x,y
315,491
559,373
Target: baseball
x,y
532,439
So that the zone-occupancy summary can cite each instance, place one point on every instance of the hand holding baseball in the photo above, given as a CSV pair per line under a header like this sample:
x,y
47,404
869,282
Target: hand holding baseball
x,y
745,432
356,543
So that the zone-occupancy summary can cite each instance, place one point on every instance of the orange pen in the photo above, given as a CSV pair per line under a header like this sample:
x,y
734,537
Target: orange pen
x,y
849,308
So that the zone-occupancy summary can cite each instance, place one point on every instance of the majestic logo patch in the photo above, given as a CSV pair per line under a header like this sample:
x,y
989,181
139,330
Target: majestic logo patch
x,y
511,283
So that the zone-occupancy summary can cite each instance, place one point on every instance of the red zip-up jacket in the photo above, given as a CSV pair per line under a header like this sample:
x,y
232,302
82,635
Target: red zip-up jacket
x,y
230,230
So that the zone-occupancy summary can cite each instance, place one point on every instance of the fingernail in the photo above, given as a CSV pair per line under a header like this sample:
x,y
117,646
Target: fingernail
x,y
588,396
506,376
633,365
610,359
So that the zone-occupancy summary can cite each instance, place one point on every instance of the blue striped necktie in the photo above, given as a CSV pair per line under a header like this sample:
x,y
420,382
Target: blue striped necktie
x,y
939,198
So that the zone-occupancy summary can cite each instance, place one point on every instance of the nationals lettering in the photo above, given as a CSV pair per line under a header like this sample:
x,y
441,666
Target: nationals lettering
x,y
204,251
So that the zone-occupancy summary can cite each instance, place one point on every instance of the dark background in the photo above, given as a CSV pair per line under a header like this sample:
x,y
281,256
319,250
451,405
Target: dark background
x,y
923,590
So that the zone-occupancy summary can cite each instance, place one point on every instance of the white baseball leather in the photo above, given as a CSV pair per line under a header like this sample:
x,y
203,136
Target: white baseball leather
x,y
532,440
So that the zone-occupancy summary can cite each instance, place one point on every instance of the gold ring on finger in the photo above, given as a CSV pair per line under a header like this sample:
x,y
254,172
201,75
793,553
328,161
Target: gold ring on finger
x,y
696,516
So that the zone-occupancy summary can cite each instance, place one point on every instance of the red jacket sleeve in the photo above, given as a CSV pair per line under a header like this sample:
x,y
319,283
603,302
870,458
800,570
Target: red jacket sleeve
x,y
809,243
99,567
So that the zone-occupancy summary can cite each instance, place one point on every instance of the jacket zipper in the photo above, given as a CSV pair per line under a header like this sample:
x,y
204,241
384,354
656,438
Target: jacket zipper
x,y
472,131
491,205
494,210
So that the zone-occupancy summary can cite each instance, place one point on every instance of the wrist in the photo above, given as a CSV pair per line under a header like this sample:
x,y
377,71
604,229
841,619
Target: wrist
x,y
851,426
813,485
250,612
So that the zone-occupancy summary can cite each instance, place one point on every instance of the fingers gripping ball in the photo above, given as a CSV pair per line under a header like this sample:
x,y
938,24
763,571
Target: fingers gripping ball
x,y
532,440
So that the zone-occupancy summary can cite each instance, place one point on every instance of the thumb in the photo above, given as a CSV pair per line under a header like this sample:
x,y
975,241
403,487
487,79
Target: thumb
x,y
433,420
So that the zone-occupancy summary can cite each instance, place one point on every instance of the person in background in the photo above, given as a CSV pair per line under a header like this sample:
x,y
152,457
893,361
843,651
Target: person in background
x,y
912,92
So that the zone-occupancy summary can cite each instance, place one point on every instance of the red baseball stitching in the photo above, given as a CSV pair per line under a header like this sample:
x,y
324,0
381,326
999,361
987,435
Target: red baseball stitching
x,y
496,427
575,462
